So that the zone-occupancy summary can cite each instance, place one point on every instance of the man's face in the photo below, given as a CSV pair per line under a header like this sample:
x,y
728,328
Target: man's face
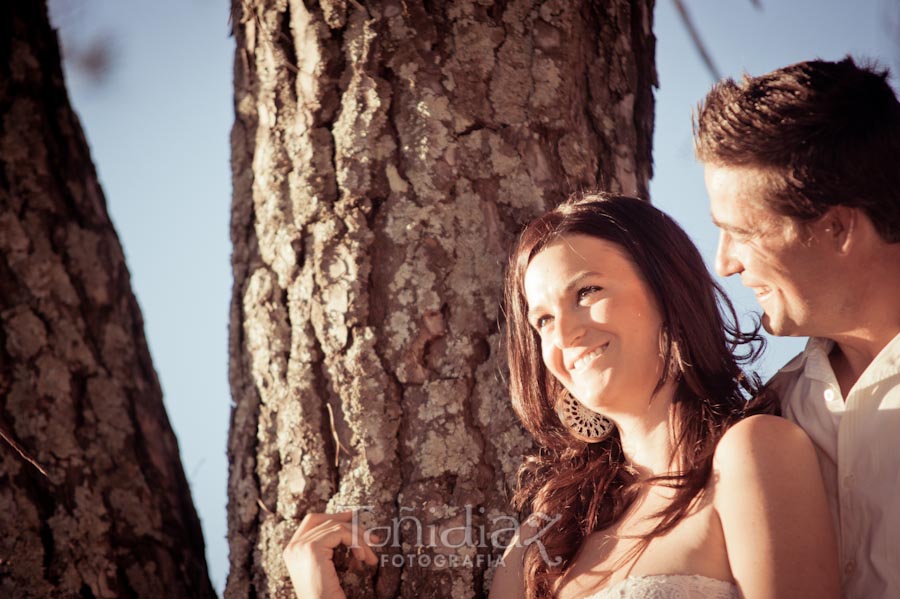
x,y
785,264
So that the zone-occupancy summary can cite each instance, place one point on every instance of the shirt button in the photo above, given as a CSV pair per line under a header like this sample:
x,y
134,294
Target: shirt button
x,y
829,394
849,567
847,481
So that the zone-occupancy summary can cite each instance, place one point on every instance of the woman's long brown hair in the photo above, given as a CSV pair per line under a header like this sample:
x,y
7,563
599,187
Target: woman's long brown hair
x,y
590,486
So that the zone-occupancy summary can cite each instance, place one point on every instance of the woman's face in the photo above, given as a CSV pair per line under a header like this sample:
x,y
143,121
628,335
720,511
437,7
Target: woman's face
x,y
597,320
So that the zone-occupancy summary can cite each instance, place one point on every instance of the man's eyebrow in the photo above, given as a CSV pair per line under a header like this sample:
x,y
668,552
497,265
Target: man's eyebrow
x,y
727,227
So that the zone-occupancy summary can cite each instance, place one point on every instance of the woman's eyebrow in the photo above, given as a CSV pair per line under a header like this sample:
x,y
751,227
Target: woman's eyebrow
x,y
573,282
580,276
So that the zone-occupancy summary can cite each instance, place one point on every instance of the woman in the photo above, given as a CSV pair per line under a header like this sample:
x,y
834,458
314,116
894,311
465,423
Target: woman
x,y
665,479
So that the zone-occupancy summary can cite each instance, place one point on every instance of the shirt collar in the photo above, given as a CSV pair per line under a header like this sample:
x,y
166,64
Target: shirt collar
x,y
817,350
814,358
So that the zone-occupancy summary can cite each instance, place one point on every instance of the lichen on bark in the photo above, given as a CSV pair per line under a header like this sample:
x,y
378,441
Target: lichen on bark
x,y
385,155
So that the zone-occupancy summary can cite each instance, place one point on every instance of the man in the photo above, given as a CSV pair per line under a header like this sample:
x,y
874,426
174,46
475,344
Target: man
x,y
802,167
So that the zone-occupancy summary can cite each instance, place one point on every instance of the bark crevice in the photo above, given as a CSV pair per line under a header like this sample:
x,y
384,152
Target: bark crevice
x,y
424,136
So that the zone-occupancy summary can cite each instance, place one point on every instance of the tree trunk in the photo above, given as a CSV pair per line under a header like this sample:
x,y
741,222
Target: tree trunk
x,y
385,154
112,516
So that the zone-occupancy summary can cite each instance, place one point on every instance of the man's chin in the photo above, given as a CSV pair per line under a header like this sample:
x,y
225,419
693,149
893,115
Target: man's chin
x,y
766,322
779,327
775,326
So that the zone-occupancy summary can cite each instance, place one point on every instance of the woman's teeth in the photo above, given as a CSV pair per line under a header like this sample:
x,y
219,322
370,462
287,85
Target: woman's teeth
x,y
586,359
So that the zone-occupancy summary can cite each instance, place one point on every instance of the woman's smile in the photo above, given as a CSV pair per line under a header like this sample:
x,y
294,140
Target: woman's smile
x,y
586,359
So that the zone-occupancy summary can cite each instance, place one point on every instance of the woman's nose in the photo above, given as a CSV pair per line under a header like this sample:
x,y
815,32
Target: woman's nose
x,y
569,329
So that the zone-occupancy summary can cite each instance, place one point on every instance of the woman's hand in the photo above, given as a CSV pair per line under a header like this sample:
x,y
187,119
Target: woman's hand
x,y
309,554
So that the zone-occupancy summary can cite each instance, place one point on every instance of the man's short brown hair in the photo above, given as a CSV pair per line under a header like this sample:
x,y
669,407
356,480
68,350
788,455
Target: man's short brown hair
x,y
824,133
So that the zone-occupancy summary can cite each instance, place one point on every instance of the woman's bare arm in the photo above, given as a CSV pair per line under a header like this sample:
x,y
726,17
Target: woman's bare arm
x,y
509,575
771,501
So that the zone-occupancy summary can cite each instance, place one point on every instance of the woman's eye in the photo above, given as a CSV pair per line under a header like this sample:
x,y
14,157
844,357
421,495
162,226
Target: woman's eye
x,y
541,322
586,291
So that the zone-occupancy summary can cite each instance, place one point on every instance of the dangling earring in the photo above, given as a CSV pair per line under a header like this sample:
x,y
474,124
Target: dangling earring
x,y
584,424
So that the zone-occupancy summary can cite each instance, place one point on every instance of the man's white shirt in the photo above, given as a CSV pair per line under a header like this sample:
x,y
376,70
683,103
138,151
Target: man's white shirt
x,y
857,440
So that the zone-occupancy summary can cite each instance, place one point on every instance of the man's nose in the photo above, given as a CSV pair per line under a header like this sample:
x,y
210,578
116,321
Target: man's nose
x,y
727,263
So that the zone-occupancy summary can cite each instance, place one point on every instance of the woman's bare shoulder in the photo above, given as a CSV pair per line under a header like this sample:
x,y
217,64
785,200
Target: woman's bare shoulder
x,y
758,440
762,452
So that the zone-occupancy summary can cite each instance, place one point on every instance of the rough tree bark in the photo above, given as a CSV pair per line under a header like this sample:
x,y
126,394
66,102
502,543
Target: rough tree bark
x,y
113,516
385,154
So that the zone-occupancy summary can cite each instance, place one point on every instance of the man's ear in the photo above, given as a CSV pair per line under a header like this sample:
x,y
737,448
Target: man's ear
x,y
841,227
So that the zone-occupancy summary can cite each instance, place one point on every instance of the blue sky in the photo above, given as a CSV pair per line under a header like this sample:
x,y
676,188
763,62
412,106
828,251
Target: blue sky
x,y
159,125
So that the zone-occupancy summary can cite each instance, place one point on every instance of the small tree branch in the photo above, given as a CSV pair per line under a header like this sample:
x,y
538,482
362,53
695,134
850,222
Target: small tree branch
x,y
698,41
7,436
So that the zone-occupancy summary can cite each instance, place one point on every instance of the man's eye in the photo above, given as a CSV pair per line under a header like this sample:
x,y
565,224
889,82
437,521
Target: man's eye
x,y
584,292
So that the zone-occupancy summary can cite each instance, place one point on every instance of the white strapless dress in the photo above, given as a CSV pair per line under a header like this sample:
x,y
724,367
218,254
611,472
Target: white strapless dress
x,y
669,586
